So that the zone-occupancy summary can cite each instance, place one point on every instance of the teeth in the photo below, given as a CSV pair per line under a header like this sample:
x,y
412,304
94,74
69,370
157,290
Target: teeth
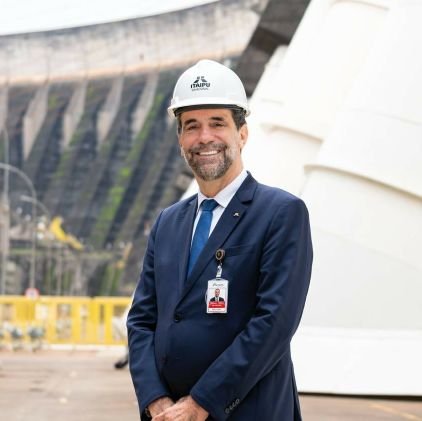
x,y
208,153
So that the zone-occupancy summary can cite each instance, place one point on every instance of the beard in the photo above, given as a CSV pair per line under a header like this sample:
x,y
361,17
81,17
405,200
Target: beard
x,y
209,171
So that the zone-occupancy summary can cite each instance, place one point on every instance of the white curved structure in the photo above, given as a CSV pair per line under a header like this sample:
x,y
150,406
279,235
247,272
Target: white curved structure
x,y
337,119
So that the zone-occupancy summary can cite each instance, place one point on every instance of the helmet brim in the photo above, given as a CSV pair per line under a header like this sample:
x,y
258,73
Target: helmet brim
x,y
209,103
180,110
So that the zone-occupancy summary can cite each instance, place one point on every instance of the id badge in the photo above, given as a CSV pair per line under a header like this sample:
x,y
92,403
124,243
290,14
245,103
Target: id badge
x,y
217,295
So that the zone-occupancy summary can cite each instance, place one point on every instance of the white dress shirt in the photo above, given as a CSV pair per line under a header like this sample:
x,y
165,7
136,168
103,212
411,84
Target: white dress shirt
x,y
222,198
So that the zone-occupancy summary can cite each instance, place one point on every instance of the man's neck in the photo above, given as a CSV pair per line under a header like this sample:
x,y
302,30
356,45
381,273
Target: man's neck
x,y
213,187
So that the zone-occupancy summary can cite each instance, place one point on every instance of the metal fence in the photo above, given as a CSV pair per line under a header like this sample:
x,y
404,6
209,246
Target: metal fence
x,y
62,320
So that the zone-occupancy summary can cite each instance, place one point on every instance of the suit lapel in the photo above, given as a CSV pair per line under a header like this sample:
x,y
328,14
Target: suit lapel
x,y
186,218
228,221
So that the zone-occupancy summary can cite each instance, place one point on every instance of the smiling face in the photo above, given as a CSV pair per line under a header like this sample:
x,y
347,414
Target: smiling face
x,y
211,144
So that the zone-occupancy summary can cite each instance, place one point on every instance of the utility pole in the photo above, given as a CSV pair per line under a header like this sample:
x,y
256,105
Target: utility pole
x,y
4,246
9,168
47,213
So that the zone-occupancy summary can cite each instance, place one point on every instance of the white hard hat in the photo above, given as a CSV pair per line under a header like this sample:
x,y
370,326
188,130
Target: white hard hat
x,y
208,83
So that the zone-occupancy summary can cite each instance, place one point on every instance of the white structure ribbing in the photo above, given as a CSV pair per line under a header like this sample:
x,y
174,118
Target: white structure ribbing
x,y
337,119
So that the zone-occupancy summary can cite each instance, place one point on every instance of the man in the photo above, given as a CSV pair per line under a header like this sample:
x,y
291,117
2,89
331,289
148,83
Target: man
x,y
259,250
217,297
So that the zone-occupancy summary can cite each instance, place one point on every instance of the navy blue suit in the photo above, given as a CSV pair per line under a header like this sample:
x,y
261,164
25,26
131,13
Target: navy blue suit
x,y
236,365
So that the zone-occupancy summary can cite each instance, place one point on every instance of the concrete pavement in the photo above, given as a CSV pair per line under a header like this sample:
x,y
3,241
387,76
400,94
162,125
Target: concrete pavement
x,y
84,386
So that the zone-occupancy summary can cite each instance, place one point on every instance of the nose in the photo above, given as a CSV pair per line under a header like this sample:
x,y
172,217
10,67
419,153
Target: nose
x,y
205,135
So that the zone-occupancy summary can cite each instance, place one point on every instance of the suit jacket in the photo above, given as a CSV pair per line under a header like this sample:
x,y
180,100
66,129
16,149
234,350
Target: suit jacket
x,y
220,299
245,372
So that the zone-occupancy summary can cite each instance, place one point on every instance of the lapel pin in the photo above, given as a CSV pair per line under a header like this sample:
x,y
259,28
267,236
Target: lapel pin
x,y
236,214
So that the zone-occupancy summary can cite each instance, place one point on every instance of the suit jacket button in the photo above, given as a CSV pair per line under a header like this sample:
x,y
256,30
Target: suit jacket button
x,y
237,401
177,317
227,411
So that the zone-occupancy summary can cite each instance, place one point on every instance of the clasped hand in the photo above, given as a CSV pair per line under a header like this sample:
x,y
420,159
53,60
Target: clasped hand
x,y
185,409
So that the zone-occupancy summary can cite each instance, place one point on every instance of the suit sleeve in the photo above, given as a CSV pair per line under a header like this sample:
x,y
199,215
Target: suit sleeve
x,y
285,271
141,323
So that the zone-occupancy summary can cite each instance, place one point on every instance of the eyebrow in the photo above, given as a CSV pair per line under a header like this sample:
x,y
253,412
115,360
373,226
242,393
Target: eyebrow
x,y
194,120
191,120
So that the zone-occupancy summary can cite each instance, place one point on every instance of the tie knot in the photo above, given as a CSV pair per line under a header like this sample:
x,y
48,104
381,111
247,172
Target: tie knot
x,y
209,205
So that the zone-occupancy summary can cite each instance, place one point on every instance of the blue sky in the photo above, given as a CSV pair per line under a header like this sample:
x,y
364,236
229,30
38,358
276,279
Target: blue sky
x,y
19,16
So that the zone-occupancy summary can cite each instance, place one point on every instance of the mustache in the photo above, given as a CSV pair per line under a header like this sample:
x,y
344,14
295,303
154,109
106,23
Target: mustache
x,y
207,148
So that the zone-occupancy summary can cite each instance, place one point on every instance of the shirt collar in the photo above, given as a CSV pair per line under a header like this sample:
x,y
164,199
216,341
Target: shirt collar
x,y
224,196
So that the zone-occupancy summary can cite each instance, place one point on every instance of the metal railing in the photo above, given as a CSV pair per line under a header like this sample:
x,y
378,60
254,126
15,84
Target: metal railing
x,y
62,320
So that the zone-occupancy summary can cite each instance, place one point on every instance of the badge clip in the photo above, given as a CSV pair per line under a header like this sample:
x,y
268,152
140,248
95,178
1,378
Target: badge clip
x,y
219,255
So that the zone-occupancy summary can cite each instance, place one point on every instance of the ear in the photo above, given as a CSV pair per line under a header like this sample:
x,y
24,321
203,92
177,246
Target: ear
x,y
244,133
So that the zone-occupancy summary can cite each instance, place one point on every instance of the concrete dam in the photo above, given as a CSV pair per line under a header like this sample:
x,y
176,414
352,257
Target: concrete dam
x,y
84,113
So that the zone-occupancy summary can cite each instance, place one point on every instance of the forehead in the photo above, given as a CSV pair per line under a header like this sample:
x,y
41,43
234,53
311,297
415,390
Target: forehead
x,y
206,114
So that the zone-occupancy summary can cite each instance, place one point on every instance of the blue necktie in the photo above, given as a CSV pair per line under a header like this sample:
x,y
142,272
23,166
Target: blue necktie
x,y
202,231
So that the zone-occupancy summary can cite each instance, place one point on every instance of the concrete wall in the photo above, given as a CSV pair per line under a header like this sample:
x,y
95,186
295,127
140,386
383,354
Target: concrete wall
x,y
109,109
74,112
3,105
213,30
144,104
34,118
